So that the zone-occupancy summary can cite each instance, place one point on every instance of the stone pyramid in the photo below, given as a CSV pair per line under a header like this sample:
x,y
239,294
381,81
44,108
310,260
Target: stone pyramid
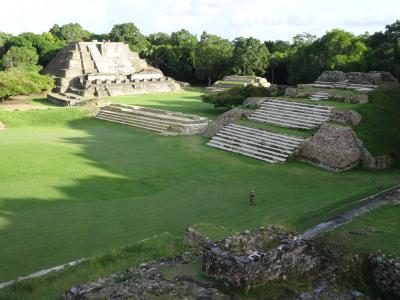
x,y
96,69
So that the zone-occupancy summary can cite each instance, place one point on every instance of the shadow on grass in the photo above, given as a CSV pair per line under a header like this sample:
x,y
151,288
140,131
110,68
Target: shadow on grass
x,y
152,184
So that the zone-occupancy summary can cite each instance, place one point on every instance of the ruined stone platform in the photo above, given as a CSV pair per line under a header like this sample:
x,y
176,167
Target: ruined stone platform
x,y
231,81
158,120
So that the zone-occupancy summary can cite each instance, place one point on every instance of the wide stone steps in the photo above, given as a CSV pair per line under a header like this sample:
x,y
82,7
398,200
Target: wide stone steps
x,y
143,118
256,143
156,114
291,114
131,122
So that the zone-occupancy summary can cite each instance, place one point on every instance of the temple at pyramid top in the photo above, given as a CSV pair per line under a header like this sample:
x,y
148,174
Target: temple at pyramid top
x,y
105,69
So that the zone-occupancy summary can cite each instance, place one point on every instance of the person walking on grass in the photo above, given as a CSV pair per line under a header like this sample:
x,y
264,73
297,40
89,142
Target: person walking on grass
x,y
252,196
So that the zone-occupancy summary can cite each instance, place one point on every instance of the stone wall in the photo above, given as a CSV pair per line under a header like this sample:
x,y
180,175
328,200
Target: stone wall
x,y
372,78
300,92
194,238
224,119
350,117
256,263
338,148
332,147
386,273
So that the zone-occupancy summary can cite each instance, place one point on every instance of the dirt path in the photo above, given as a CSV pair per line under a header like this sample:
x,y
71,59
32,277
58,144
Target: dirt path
x,y
362,206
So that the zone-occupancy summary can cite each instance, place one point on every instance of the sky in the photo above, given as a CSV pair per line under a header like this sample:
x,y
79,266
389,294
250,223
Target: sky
x,y
263,19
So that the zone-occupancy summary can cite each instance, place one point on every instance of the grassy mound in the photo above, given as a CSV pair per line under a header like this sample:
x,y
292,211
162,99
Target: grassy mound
x,y
380,126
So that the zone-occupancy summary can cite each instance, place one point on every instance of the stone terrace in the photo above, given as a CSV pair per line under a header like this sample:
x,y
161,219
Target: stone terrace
x,y
291,114
256,143
231,81
157,120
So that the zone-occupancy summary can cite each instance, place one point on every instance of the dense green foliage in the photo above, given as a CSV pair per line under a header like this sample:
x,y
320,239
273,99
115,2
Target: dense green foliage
x,y
131,35
235,96
72,32
52,163
21,81
213,57
250,57
185,57
22,57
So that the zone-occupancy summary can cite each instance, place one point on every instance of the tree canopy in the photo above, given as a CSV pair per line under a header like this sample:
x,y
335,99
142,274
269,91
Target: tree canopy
x,y
130,34
184,57
213,57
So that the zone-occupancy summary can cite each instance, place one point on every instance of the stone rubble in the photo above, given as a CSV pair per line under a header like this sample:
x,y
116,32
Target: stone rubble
x,y
228,117
247,260
350,117
386,272
147,281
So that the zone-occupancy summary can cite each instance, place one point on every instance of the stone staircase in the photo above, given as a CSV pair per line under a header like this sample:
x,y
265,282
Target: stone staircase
x,y
152,119
291,114
256,143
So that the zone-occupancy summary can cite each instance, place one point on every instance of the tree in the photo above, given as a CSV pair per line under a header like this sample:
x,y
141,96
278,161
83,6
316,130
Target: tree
x,y
177,57
213,57
131,35
24,57
159,38
72,32
280,52
250,57
46,44
384,50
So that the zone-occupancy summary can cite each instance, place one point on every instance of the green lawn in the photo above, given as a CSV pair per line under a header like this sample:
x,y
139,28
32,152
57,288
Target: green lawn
x,y
377,230
72,186
187,101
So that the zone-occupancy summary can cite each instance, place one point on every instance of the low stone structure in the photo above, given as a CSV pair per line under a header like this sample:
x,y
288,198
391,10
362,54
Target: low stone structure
x,y
254,102
252,258
194,238
386,273
350,117
379,78
291,114
333,147
96,69
302,92
338,148
148,281
228,117
158,120
231,81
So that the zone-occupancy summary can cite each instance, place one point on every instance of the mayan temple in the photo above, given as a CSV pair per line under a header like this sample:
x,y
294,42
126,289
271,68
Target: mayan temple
x,y
97,69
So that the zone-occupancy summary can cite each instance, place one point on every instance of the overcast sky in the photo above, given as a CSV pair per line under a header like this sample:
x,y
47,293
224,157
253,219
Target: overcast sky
x,y
263,19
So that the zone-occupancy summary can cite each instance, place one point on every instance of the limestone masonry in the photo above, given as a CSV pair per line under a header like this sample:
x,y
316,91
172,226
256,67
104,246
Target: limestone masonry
x,y
231,81
95,69
158,120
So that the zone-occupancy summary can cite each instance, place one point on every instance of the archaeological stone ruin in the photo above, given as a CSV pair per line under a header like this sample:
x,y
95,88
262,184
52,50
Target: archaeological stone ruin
x,y
231,81
96,69
157,120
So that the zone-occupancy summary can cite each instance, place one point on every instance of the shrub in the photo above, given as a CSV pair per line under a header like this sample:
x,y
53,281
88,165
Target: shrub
x,y
20,81
235,96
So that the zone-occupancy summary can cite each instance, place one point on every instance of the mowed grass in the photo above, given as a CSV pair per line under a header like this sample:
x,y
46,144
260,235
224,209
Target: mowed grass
x,y
73,186
186,101
377,230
